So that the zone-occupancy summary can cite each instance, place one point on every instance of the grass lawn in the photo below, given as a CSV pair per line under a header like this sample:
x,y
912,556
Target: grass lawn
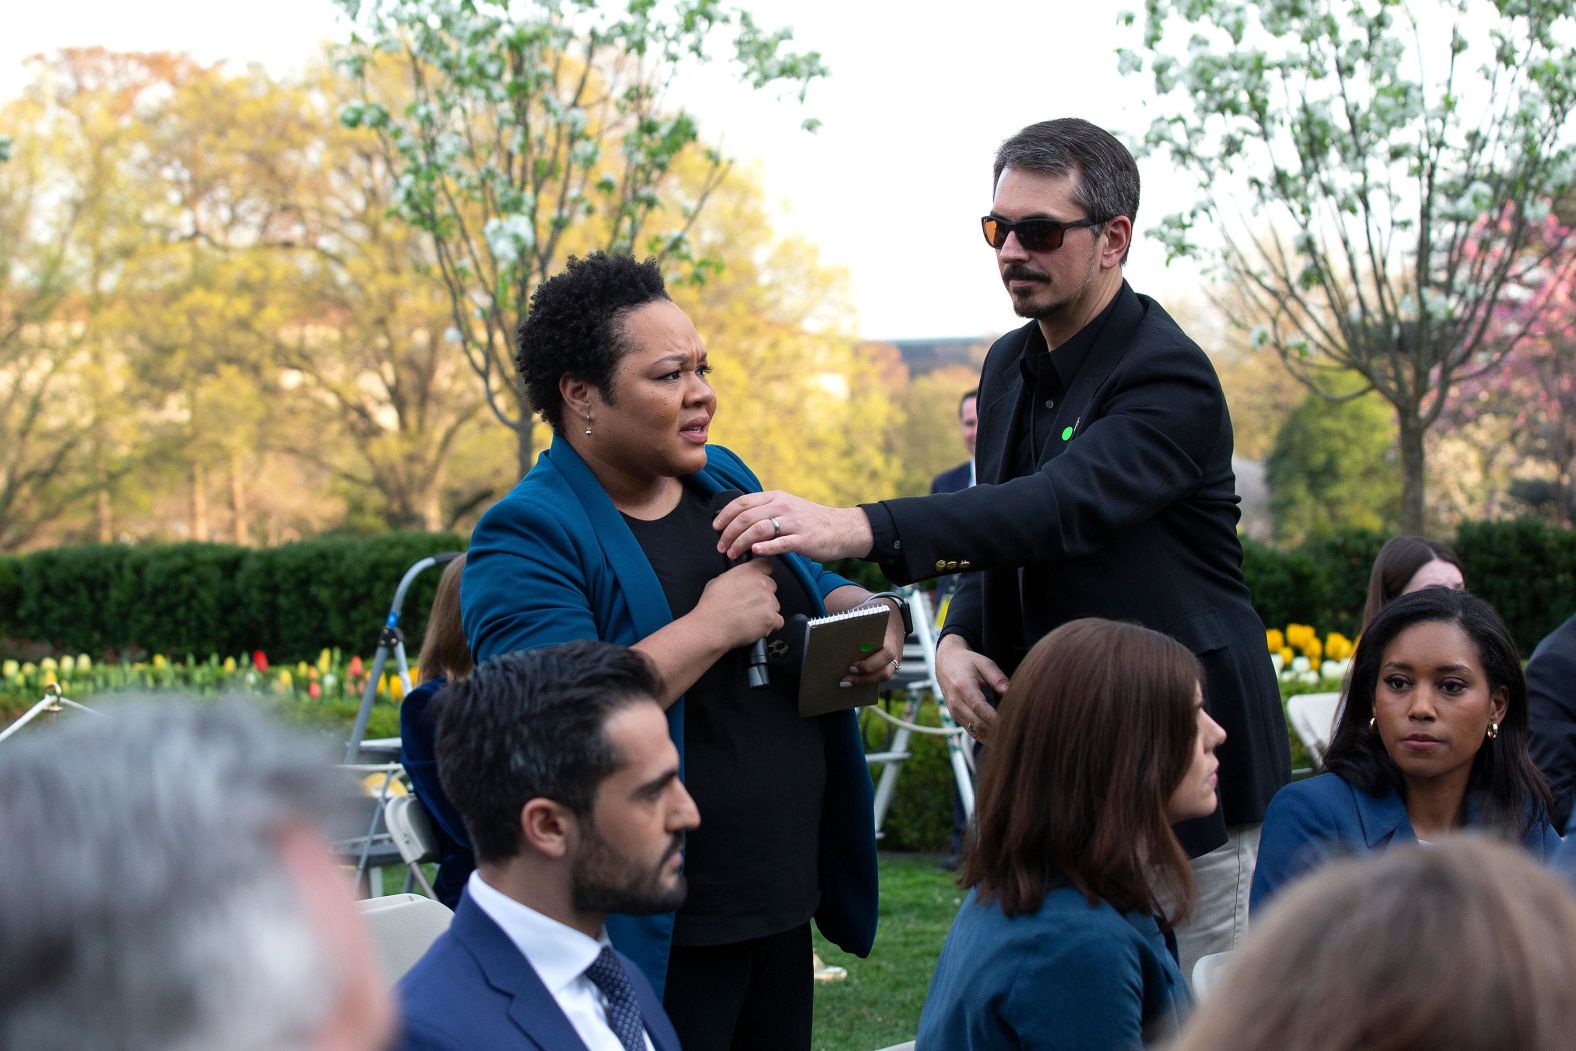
x,y
879,1002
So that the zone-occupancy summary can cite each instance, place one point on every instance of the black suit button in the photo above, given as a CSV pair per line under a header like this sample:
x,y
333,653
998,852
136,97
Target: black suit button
x,y
1050,403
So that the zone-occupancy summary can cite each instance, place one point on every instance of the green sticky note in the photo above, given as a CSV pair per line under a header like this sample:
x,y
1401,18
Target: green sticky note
x,y
866,647
1067,433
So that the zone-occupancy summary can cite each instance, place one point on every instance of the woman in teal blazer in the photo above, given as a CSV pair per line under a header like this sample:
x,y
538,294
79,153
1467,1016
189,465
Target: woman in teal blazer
x,y
1433,738
603,539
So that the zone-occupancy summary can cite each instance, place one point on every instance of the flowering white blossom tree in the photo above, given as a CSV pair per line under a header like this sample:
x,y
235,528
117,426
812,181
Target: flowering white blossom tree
x,y
539,128
1371,175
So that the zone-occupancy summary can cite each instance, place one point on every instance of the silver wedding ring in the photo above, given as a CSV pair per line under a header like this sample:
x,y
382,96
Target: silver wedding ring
x,y
777,528
894,664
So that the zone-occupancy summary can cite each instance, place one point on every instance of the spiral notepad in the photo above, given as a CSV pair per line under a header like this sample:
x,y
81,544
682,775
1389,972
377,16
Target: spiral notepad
x,y
831,645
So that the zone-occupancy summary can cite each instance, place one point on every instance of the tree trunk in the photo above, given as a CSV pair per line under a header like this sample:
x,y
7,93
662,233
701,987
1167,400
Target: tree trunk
x,y
199,501
1410,443
525,451
103,513
242,535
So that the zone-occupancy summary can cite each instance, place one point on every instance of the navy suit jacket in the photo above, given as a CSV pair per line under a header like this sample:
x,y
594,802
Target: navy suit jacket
x,y
1551,711
953,478
1133,515
554,562
474,990
1310,822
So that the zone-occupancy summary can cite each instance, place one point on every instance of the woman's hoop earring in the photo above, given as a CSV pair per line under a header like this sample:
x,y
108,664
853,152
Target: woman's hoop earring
x,y
1493,729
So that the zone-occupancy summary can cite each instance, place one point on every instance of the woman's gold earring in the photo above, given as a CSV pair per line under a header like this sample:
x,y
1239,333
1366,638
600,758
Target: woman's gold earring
x,y
1493,729
588,425
1372,724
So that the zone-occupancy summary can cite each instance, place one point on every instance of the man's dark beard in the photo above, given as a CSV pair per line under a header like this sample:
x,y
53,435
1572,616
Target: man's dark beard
x,y
1018,271
604,880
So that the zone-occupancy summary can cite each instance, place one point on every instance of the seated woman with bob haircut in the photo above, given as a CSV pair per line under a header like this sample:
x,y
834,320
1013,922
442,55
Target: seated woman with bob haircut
x,y
1433,738
1102,742
1470,946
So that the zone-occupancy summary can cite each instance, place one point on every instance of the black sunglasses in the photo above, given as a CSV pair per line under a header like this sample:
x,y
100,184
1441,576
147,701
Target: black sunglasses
x,y
1036,235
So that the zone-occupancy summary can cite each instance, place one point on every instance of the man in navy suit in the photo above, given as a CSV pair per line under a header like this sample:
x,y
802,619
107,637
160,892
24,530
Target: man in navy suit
x,y
961,476
559,761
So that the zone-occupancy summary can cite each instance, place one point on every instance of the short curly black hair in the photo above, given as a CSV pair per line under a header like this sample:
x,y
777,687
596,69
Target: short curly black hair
x,y
573,328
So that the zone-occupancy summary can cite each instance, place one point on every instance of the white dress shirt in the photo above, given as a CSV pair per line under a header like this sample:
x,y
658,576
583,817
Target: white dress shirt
x,y
560,956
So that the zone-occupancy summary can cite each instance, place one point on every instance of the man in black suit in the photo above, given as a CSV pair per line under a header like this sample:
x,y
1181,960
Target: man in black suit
x,y
559,761
1104,489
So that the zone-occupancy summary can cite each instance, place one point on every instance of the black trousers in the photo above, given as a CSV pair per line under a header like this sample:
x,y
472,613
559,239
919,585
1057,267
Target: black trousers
x,y
754,995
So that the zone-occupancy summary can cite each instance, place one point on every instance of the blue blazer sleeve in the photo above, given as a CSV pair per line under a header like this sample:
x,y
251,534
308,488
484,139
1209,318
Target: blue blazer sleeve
x,y
523,586
1301,829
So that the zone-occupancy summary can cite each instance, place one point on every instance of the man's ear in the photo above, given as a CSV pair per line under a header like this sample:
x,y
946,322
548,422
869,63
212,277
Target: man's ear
x,y
1118,237
547,827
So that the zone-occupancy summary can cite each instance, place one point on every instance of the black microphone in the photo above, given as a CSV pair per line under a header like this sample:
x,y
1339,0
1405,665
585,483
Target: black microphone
x,y
757,669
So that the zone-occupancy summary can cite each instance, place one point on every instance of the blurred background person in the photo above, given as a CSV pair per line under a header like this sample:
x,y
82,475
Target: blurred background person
x,y
610,537
1433,738
1102,742
1469,946
444,658
166,884
1406,564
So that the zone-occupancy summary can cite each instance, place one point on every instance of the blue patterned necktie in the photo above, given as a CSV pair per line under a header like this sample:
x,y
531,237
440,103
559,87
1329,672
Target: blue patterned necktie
x,y
623,1013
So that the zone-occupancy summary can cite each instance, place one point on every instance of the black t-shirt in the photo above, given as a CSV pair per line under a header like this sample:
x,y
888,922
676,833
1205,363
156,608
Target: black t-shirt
x,y
757,769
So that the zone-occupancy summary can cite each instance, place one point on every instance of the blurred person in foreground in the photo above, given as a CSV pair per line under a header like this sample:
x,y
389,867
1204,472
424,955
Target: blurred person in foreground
x,y
1433,739
1469,946
559,761
444,658
1064,941
1104,489
609,537
166,884
1406,564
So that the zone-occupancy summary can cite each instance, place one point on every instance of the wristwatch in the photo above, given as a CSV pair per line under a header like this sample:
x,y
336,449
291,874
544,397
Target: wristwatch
x,y
902,608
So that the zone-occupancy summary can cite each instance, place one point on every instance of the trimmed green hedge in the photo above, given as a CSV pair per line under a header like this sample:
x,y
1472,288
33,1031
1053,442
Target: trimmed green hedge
x,y
293,600
289,601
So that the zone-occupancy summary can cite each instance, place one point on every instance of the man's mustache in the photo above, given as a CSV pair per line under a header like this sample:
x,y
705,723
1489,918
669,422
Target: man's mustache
x,y
1022,272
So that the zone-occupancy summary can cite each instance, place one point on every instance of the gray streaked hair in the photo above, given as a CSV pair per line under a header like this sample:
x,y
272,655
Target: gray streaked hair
x,y
1104,174
142,900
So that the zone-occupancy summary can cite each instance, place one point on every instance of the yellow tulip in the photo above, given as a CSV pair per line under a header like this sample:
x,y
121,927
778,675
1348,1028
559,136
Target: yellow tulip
x,y
1287,656
1276,640
84,662
48,664
397,688
324,660
1313,650
229,665
301,670
159,661
285,680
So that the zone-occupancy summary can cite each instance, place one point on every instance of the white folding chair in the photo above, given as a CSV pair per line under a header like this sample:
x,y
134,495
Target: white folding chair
x,y
1312,717
411,832
1206,973
403,926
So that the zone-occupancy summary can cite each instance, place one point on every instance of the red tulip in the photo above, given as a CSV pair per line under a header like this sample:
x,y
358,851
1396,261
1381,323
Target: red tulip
x,y
355,667
260,660
313,690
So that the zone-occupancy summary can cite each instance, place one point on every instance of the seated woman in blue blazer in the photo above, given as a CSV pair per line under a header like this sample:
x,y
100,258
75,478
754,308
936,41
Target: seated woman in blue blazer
x,y
1101,744
610,537
1433,738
